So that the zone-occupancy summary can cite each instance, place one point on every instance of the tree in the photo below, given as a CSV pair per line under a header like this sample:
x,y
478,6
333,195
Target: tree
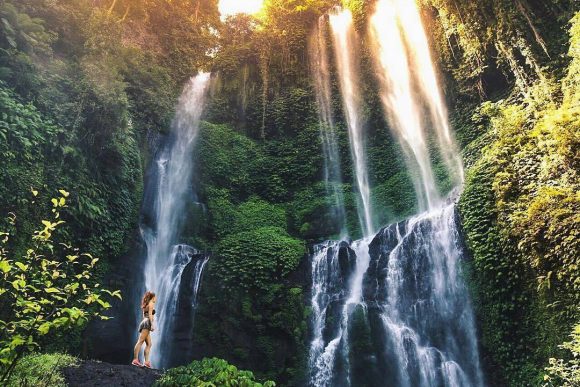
x,y
49,288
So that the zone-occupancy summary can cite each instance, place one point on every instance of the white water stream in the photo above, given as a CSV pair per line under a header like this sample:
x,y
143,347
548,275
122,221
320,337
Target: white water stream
x,y
406,279
166,260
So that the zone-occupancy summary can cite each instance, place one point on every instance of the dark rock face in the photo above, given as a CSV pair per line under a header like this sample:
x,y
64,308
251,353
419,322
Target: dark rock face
x,y
96,374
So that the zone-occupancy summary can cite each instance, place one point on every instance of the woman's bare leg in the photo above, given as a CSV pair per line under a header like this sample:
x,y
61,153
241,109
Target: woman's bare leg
x,y
148,345
142,336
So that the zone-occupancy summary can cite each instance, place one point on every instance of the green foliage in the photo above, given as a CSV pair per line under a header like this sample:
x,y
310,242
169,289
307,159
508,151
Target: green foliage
x,y
310,213
223,151
254,259
493,44
394,199
256,213
227,218
566,373
520,212
210,372
37,153
21,32
41,370
49,288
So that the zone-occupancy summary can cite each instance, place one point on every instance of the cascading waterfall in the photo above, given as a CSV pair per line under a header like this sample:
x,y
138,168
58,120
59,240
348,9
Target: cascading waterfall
x,y
431,92
344,38
165,262
397,95
318,55
337,267
392,309
418,305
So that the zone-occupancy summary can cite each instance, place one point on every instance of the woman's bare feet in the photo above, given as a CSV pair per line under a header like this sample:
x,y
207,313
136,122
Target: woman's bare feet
x,y
135,362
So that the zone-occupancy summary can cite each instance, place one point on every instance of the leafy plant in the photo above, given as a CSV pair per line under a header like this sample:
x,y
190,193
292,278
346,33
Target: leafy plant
x,y
209,373
255,259
566,373
41,370
49,288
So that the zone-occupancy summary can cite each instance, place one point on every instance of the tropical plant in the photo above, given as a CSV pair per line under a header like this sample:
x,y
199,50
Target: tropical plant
x,y
41,370
49,288
210,372
566,373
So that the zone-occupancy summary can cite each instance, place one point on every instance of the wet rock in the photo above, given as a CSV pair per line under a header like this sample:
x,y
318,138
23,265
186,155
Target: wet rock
x,y
96,374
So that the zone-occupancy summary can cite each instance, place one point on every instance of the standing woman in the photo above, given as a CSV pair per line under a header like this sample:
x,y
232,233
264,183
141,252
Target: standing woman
x,y
145,329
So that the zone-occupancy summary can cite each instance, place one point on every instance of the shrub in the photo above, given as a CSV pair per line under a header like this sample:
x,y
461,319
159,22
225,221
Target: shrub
x,y
41,370
254,259
566,373
49,288
209,372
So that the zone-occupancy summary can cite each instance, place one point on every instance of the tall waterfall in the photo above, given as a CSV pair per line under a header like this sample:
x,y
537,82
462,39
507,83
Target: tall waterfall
x,y
318,55
337,267
392,309
171,189
397,94
344,37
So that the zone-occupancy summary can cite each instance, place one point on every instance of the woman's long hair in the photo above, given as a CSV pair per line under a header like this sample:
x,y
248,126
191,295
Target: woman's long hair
x,y
147,299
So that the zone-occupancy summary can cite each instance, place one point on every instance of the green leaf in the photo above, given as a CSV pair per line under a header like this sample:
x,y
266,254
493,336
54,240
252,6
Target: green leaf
x,y
44,328
17,341
21,266
5,266
52,290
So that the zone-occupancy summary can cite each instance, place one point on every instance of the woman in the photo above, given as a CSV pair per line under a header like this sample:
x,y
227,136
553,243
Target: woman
x,y
145,329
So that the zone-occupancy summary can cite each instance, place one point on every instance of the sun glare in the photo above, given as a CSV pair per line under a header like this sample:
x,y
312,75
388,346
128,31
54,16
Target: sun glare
x,y
232,7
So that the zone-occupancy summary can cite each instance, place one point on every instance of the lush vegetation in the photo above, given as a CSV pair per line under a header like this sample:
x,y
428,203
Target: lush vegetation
x,y
521,214
210,372
49,288
566,373
41,370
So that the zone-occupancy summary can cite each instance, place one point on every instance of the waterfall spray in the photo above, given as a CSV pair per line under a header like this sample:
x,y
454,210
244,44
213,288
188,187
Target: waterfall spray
x,y
425,72
165,261
344,47
318,55
399,101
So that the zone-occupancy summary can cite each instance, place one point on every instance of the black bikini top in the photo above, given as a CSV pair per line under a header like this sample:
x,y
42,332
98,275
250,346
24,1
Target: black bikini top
x,y
146,313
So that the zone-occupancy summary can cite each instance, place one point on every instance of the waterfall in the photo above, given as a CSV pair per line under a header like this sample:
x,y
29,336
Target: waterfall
x,y
171,190
429,85
406,284
392,309
318,55
419,307
344,38
338,267
399,100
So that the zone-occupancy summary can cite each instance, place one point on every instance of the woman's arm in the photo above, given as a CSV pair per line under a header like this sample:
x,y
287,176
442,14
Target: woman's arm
x,y
150,314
